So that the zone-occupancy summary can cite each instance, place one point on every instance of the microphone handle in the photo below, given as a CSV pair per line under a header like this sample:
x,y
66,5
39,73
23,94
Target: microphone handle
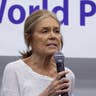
x,y
64,94
60,67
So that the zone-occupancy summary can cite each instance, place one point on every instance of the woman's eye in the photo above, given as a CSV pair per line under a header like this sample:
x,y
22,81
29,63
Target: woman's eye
x,y
57,31
44,31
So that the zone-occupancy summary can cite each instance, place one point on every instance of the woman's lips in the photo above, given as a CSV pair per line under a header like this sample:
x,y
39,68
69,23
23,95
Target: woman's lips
x,y
52,45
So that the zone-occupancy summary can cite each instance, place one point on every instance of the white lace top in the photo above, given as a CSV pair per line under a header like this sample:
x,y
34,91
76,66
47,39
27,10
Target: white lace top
x,y
20,80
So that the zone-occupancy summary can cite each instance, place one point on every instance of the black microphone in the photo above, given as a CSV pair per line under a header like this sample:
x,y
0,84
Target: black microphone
x,y
59,59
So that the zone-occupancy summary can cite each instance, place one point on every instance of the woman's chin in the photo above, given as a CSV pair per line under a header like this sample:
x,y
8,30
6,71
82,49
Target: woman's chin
x,y
51,52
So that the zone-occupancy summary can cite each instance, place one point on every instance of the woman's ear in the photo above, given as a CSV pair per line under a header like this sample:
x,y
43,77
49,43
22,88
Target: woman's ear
x,y
61,42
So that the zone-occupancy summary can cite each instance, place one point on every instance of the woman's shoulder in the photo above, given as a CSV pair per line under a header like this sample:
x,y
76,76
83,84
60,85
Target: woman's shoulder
x,y
12,66
71,74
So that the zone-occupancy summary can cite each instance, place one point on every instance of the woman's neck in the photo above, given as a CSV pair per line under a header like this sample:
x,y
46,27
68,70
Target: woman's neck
x,y
41,62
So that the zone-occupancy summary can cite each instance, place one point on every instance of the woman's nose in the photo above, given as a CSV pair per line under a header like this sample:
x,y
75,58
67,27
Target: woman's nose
x,y
52,35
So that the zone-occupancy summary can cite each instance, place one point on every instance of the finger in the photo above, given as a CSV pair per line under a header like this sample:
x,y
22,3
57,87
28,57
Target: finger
x,y
63,86
63,80
61,74
63,91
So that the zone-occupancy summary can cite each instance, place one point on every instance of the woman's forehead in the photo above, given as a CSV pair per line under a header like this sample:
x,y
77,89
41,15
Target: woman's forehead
x,y
48,22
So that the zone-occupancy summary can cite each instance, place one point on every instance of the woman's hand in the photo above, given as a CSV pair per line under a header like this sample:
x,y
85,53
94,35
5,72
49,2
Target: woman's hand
x,y
59,85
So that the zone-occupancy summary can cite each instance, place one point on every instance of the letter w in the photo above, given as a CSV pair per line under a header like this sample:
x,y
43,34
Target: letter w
x,y
2,8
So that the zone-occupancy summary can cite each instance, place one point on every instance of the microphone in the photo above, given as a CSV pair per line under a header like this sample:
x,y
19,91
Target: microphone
x,y
59,59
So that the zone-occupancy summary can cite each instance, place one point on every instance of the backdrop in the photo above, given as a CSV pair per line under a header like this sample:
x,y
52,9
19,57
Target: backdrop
x,y
77,17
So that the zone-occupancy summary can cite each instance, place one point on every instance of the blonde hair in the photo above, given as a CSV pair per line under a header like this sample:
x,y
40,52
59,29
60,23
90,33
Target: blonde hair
x,y
29,27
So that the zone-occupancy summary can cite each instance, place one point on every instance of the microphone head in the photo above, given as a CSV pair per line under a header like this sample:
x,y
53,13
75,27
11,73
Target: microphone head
x,y
59,59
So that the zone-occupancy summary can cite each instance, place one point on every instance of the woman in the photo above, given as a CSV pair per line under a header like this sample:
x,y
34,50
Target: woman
x,y
35,74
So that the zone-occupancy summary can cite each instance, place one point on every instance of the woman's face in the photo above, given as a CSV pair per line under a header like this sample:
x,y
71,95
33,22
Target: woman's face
x,y
46,38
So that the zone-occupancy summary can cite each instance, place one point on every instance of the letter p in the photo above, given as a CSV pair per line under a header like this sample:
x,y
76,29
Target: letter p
x,y
84,14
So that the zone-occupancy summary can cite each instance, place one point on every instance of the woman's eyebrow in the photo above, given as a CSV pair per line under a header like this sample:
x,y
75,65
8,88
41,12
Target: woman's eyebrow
x,y
55,27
